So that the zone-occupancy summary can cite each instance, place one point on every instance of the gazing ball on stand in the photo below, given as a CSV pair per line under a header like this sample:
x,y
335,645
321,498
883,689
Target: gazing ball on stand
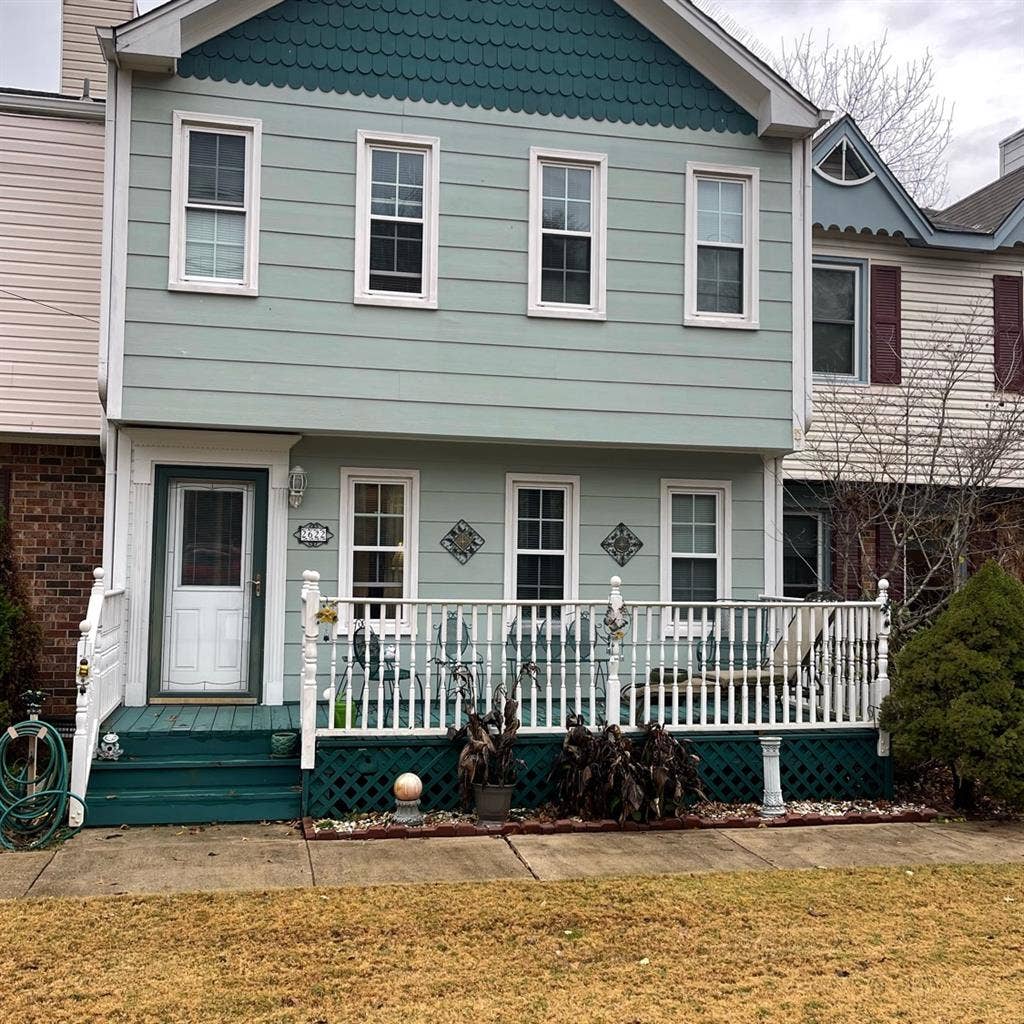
x,y
408,789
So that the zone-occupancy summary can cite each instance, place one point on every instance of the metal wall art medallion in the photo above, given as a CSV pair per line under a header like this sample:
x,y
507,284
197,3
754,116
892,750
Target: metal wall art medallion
x,y
622,544
462,542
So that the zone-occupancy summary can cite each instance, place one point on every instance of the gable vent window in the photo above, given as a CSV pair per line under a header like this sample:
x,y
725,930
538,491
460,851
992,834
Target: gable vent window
x,y
568,199
396,220
844,165
215,205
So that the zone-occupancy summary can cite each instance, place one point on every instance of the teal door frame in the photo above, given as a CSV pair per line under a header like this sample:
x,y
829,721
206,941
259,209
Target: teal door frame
x,y
259,478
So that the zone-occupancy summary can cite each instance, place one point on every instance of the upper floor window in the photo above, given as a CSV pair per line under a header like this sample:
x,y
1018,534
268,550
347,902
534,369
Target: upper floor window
x,y
568,213
844,166
30,44
541,539
397,185
215,205
721,245
838,321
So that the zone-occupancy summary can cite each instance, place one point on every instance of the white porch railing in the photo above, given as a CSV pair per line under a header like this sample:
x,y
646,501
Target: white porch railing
x,y
99,680
414,667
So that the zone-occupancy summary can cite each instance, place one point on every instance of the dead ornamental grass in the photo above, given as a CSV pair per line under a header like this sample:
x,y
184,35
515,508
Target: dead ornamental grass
x,y
933,946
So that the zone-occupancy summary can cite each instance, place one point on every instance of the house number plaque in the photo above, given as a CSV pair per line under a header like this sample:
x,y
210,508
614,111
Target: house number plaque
x,y
313,535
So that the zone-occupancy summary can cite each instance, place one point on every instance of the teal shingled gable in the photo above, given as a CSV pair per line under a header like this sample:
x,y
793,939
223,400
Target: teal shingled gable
x,y
574,58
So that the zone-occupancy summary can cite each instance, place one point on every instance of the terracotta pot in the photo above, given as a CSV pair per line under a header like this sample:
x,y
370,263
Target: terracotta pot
x,y
493,802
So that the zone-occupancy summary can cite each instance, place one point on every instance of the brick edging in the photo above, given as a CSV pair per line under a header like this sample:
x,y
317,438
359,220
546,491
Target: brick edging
x,y
532,826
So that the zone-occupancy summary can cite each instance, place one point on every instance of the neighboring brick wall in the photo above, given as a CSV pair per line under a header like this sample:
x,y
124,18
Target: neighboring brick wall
x,y
56,521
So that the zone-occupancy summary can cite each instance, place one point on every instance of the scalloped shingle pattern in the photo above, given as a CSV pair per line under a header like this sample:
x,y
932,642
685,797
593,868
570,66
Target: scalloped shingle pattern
x,y
573,58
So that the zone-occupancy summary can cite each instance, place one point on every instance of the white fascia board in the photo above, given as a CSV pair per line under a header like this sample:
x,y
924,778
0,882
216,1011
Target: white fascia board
x,y
155,41
703,43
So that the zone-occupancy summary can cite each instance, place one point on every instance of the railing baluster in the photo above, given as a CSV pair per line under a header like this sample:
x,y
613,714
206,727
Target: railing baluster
x,y
744,688
547,667
787,623
826,669
812,686
773,633
592,642
661,667
444,672
647,667
428,615
488,660
533,658
704,666
689,665
677,626
414,623
717,676
731,697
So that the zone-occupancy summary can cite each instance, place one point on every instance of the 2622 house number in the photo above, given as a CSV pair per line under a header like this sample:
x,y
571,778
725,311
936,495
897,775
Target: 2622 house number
x,y
313,535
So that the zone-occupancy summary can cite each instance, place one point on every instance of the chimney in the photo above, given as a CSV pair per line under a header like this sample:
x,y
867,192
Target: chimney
x,y
1011,153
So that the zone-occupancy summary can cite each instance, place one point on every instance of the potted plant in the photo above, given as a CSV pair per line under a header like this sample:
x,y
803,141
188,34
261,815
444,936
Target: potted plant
x,y
487,764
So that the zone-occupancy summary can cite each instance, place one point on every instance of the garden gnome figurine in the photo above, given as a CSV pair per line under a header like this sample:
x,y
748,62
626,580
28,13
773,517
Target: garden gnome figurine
x,y
408,789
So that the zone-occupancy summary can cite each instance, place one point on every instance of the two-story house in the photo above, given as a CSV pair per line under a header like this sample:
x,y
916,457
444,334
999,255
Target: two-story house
x,y
918,364
52,82
421,321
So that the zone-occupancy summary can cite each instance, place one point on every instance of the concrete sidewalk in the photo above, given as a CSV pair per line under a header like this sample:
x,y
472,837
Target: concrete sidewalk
x,y
221,857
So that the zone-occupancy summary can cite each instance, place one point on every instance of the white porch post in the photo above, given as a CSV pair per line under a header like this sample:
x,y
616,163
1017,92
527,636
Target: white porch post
x,y
772,805
884,623
611,697
310,634
82,745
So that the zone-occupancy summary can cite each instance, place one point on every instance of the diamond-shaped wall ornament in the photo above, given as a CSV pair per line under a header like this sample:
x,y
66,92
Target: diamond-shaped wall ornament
x,y
462,542
622,543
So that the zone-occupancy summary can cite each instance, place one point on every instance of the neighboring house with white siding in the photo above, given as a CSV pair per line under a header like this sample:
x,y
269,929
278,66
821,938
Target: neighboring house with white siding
x,y
52,82
916,321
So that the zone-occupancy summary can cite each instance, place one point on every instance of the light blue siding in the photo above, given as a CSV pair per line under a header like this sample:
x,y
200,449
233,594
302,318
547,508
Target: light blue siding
x,y
467,481
301,357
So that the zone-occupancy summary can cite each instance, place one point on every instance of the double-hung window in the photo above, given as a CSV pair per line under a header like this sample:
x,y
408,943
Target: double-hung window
x,y
541,541
722,245
215,204
802,554
568,215
397,186
695,544
838,327
379,528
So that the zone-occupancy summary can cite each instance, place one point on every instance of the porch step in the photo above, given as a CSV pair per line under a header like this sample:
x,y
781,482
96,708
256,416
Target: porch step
x,y
188,805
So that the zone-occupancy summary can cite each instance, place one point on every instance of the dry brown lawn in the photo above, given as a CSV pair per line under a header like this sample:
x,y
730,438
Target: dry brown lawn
x,y
934,945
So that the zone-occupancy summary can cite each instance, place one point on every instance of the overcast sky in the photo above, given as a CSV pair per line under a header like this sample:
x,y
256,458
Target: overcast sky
x,y
978,46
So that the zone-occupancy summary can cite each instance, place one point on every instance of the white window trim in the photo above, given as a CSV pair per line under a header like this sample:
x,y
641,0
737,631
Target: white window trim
x,y
430,146
598,164
252,130
861,373
750,178
722,492
513,481
350,476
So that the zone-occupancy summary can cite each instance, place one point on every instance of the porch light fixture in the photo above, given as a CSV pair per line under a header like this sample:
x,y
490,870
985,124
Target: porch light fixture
x,y
296,486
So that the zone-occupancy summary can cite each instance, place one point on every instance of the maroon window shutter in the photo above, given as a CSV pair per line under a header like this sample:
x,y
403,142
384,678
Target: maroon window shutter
x,y
886,333
1008,323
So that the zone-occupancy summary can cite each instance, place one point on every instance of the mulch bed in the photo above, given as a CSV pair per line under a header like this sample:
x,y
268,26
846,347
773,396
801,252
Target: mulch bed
x,y
447,825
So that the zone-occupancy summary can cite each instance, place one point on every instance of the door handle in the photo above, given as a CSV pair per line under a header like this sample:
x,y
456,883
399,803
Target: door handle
x,y
257,585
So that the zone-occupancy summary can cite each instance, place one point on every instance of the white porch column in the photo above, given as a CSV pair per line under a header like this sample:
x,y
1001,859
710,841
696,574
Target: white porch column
x,y
612,617
310,635
884,623
772,805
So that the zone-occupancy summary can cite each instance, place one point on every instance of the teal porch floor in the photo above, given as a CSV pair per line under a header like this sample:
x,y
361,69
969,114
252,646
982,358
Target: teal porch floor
x,y
200,718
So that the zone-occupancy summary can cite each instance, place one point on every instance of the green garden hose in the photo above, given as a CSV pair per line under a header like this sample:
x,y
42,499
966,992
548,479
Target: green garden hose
x,y
33,802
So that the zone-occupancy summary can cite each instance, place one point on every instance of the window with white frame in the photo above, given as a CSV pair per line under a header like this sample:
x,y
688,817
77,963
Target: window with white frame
x,y
568,217
838,321
695,545
379,535
397,187
215,204
722,245
541,540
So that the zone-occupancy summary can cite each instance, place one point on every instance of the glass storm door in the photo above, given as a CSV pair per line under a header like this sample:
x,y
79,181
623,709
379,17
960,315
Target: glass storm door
x,y
209,587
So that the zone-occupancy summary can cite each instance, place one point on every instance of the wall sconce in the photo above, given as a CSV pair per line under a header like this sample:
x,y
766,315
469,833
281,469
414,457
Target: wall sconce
x,y
296,486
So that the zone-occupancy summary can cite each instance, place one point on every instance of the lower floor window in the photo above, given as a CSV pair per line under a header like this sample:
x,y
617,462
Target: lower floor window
x,y
801,554
541,536
379,521
694,541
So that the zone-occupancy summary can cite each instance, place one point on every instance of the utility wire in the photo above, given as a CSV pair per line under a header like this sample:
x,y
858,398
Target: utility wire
x,y
46,305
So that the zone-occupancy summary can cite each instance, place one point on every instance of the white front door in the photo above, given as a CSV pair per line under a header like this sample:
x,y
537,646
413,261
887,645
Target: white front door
x,y
207,602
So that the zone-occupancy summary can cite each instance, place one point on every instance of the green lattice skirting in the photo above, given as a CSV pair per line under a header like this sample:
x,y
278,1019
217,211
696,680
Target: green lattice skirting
x,y
354,775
